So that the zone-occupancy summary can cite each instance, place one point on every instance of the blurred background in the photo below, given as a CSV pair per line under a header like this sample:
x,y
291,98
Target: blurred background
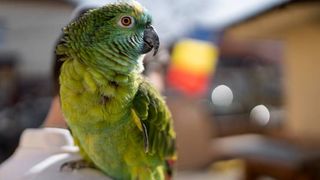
x,y
241,80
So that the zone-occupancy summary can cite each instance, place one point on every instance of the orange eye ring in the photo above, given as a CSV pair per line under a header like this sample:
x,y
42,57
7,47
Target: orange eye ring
x,y
126,21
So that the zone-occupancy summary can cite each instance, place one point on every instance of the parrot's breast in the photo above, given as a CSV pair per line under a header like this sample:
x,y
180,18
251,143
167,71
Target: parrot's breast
x,y
97,109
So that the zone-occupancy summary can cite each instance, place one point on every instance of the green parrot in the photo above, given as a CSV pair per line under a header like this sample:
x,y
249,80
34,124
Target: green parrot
x,y
117,118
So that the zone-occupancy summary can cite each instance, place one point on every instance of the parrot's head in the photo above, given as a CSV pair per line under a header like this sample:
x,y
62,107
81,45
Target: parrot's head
x,y
119,30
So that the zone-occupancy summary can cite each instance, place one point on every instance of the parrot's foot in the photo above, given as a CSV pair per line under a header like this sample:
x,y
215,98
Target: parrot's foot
x,y
75,165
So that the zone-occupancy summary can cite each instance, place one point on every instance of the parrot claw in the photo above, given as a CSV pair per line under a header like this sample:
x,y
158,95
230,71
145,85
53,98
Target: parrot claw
x,y
75,165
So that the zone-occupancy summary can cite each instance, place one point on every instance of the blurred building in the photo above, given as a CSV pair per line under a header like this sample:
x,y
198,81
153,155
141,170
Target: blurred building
x,y
297,26
290,34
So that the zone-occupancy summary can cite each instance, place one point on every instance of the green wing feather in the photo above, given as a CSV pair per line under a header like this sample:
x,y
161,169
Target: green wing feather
x,y
156,121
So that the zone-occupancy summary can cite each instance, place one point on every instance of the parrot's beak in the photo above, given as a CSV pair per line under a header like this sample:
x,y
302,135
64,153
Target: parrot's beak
x,y
150,41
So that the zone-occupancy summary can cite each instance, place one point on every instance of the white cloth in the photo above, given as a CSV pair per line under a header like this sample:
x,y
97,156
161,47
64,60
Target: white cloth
x,y
40,154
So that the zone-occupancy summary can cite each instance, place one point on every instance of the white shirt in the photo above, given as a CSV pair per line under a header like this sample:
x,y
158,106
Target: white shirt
x,y
40,154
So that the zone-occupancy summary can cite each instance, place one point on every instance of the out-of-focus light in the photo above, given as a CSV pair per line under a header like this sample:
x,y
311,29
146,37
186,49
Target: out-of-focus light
x,y
260,115
222,96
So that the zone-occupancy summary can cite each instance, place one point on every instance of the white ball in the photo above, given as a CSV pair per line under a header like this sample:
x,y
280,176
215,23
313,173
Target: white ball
x,y
260,115
222,96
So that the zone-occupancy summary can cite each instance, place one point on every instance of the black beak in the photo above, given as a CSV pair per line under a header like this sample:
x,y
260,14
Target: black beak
x,y
150,41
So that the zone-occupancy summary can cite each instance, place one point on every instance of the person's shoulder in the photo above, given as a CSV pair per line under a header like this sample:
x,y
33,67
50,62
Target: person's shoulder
x,y
40,154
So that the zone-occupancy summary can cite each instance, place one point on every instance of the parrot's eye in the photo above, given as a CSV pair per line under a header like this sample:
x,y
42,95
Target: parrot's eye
x,y
126,21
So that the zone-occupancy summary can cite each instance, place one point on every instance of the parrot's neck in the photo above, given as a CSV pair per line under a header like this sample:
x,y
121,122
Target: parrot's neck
x,y
103,57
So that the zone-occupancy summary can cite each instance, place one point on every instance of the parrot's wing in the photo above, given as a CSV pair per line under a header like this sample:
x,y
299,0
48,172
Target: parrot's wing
x,y
150,110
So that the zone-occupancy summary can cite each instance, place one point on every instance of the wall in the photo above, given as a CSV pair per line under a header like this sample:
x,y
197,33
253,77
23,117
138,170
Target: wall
x,y
31,29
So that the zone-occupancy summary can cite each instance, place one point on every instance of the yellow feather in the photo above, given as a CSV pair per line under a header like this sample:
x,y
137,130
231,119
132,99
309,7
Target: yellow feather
x,y
136,119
